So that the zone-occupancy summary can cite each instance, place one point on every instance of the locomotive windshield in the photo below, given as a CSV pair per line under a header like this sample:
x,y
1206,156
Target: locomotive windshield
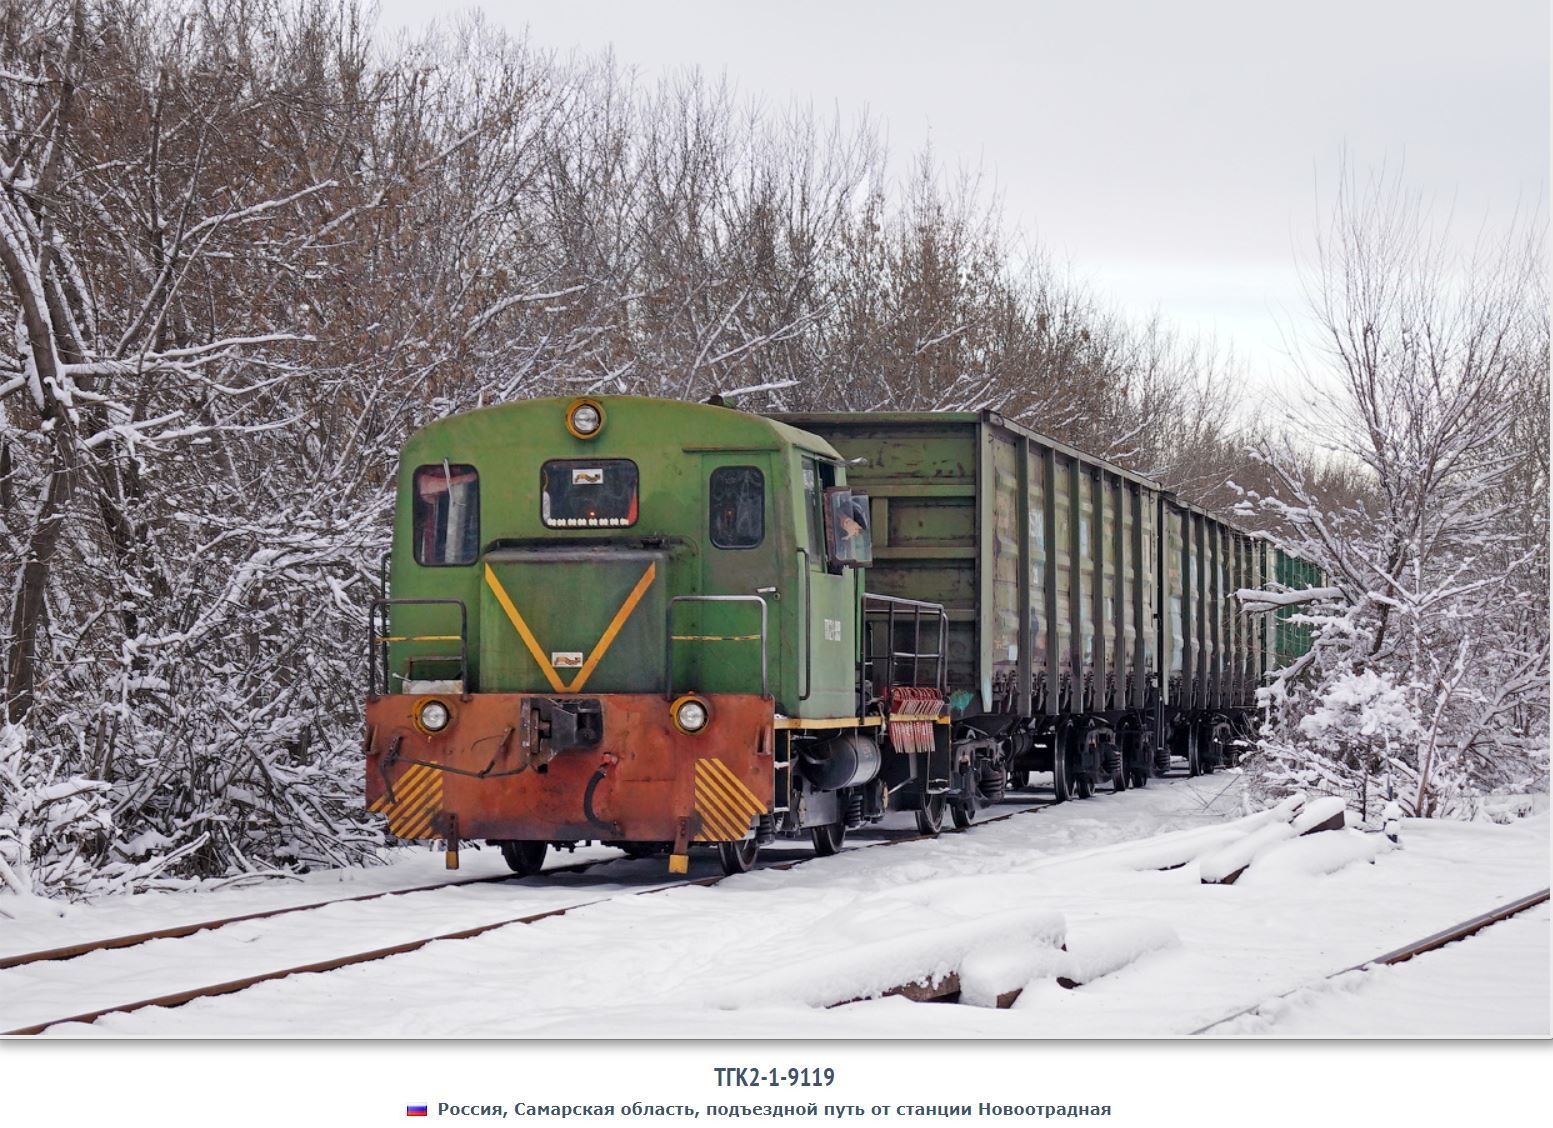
x,y
588,493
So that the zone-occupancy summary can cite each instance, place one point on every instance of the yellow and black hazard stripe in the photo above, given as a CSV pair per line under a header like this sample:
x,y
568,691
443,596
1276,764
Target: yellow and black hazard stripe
x,y
417,800
725,805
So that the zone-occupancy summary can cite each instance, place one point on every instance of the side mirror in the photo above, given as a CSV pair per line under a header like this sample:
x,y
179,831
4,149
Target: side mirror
x,y
848,539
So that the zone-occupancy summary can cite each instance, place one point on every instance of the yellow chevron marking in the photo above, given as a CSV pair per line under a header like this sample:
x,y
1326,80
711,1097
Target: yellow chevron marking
x,y
383,803
415,789
417,799
420,827
540,657
723,804
726,806
717,767
606,640
719,818
416,823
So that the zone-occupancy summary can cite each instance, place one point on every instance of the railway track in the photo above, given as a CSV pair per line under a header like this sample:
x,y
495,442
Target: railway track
x,y
1436,940
179,998
175,932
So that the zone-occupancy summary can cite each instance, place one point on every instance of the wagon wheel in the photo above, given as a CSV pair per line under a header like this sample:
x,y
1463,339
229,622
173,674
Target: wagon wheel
x,y
930,816
1199,755
963,809
1064,774
1085,783
828,838
1142,764
1225,745
1018,780
1161,756
524,858
738,857
1118,764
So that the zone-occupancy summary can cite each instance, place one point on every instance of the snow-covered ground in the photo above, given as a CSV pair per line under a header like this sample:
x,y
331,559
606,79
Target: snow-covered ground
x,y
1157,951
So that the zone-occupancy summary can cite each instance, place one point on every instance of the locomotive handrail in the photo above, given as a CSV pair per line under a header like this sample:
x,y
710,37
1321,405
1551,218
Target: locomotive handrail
x,y
672,638
808,609
377,640
886,606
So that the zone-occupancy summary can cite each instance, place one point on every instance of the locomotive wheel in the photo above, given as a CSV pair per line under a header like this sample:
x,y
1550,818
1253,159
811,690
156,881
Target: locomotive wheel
x,y
524,858
1018,781
738,857
828,838
961,814
930,816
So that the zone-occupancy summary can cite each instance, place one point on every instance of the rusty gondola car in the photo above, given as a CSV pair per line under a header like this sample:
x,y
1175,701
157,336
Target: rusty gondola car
x,y
659,624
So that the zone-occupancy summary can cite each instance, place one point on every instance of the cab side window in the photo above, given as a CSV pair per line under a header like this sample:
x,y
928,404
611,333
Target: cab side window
x,y
814,510
445,504
737,500
818,478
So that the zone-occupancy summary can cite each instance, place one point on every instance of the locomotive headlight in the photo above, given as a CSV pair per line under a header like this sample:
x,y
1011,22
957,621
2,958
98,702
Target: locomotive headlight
x,y
690,715
584,418
433,716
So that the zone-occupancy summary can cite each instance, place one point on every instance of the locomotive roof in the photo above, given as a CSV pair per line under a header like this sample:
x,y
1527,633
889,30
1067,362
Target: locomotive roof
x,y
719,426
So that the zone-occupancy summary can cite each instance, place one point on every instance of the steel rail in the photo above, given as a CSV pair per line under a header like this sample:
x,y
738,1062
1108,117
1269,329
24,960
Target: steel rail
x,y
179,998
1429,943
174,932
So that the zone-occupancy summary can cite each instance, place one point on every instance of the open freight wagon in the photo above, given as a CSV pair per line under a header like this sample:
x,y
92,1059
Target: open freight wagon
x,y
1093,628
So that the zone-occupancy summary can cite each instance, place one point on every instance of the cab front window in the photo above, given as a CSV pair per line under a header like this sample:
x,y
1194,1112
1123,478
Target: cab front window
x,y
591,493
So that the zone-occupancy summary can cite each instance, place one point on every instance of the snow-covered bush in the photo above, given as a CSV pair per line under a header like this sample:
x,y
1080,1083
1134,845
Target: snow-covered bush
x,y
54,828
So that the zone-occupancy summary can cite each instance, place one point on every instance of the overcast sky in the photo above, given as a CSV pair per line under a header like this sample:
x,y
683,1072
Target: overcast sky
x,y
1172,153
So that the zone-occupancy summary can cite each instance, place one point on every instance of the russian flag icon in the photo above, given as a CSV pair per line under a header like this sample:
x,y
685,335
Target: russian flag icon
x,y
415,1110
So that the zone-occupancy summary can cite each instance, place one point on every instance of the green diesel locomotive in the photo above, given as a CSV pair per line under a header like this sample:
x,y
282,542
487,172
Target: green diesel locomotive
x,y
658,624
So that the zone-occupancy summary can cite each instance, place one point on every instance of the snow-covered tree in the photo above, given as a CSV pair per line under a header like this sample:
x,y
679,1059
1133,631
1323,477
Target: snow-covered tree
x,y
1430,665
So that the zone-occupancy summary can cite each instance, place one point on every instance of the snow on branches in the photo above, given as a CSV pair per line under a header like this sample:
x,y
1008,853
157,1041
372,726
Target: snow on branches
x,y
1429,671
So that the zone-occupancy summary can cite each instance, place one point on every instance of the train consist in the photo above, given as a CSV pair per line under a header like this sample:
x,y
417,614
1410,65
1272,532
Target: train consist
x,y
662,625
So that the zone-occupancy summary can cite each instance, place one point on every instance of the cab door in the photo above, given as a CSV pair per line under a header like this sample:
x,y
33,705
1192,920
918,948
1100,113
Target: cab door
x,y
717,645
826,678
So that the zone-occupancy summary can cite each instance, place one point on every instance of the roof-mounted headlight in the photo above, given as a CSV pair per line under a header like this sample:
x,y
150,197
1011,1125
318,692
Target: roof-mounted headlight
x,y
584,419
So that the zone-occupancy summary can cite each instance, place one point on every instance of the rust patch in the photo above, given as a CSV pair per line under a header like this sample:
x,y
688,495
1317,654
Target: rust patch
x,y
638,784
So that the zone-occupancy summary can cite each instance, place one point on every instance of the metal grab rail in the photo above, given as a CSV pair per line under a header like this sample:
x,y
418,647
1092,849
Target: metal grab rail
x,y
379,640
884,607
808,609
671,638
